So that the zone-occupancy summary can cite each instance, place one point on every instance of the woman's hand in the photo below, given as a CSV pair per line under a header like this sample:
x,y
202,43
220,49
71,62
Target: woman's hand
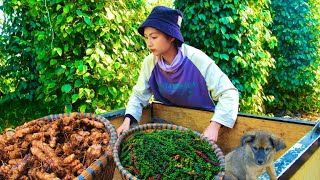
x,y
212,131
124,126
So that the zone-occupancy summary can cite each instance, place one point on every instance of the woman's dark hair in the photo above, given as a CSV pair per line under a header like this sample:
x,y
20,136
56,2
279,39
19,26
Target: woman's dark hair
x,y
177,43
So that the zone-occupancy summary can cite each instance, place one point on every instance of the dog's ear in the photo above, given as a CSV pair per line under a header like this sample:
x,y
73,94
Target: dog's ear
x,y
247,138
277,142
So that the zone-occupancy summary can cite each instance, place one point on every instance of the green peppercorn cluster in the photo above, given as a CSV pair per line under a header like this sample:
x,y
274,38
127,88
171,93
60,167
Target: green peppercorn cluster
x,y
169,154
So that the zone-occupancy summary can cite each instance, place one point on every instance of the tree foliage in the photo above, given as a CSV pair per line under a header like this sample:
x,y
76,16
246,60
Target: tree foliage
x,y
295,81
235,35
66,55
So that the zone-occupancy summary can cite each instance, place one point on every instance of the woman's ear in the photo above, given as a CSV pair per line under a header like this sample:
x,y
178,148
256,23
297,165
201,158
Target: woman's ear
x,y
172,39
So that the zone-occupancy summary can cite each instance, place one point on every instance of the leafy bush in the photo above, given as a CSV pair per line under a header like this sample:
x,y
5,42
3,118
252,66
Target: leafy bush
x,y
235,35
295,82
66,55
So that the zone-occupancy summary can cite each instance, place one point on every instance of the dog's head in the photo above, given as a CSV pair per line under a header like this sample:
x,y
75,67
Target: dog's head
x,y
263,144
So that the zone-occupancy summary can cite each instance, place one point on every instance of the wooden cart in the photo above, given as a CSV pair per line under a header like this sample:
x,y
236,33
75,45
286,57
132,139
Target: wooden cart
x,y
300,160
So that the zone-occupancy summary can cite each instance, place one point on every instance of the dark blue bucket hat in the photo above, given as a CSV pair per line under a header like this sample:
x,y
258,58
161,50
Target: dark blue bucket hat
x,y
166,20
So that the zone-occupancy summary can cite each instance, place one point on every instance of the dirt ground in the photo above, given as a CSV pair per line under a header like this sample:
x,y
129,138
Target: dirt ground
x,y
308,116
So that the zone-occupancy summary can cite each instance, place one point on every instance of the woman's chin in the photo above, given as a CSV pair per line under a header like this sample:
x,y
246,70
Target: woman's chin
x,y
155,54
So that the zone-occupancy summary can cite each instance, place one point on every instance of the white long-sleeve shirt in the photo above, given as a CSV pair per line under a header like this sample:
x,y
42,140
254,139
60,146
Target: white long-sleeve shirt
x,y
196,81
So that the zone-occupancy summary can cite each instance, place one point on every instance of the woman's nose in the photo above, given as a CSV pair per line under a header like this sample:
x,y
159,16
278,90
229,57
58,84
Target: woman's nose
x,y
149,43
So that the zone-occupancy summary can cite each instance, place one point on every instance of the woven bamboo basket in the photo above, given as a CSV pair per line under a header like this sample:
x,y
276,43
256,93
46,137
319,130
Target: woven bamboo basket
x,y
126,175
103,168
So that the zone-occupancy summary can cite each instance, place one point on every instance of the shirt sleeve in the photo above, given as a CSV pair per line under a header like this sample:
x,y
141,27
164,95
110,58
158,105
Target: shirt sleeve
x,y
141,92
220,88
223,91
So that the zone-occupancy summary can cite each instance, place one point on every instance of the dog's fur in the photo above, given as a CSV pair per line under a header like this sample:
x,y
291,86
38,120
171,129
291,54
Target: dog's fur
x,y
253,156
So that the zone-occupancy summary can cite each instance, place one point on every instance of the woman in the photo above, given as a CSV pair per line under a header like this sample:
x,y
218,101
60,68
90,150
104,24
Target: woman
x,y
178,74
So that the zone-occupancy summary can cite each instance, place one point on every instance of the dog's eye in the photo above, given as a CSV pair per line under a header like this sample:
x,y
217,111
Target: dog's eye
x,y
268,149
255,148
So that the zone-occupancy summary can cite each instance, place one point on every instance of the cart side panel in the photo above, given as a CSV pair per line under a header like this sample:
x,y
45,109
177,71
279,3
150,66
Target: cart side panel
x,y
230,138
116,117
310,169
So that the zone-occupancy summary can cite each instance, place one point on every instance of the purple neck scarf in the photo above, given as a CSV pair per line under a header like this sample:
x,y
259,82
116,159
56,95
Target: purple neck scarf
x,y
177,61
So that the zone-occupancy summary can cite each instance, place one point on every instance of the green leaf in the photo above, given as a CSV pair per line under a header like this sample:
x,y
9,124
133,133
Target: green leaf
x,y
117,65
69,19
66,9
110,15
216,54
84,7
53,61
41,36
34,12
102,90
89,51
113,91
124,79
51,85
59,51
59,19
202,17
68,108
79,13
78,83
69,30
224,56
100,6
31,2
83,108
87,20
58,7
60,71
74,97
66,88
76,51
223,30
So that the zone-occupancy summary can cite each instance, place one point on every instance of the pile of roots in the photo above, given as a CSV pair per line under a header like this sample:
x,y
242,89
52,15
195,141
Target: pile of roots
x,y
58,149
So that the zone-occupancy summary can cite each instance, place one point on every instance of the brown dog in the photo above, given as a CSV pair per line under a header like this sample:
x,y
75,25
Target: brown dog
x,y
255,155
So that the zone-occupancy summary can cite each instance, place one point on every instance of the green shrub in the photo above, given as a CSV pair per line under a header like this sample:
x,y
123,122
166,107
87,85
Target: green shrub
x,y
295,82
67,55
234,34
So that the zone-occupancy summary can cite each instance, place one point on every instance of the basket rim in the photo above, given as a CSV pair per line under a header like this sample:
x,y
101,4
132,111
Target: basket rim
x,y
128,175
101,163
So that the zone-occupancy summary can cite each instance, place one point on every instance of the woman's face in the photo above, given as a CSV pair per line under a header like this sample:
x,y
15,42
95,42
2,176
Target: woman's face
x,y
157,42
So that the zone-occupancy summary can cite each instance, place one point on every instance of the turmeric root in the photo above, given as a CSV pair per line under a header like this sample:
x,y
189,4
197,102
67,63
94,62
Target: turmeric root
x,y
50,161
27,130
44,147
53,133
19,168
5,169
14,161
44,176
93,153
93,123
68,159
